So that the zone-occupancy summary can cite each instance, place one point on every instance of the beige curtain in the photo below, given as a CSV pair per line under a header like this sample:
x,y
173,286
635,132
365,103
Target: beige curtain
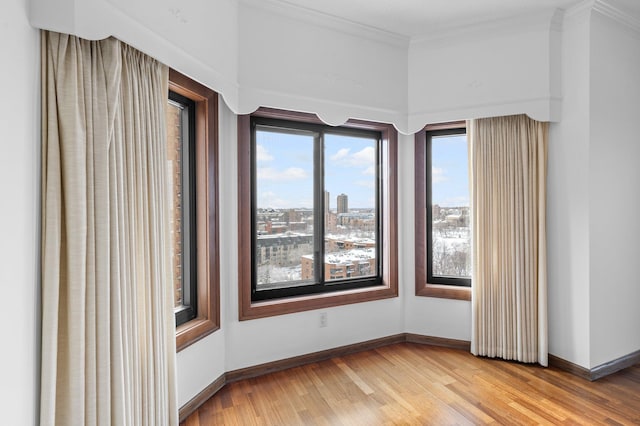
x,y
508,158
108,335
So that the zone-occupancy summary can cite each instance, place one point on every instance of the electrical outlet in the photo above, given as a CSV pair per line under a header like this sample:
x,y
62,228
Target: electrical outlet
x,y
323,319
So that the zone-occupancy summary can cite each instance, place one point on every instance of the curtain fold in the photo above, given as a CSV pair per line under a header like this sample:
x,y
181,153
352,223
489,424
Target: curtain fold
x,y
108,336
508,158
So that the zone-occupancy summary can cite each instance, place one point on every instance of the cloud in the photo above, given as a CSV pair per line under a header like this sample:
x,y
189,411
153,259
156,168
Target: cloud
x,y
269,199
341,155
291,173
370,183
459,201
438,175
262,154
370,171
364,157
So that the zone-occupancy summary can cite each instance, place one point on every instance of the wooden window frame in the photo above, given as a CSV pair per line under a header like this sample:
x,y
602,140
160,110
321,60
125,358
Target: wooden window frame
x,y
207,222
423,287
249,309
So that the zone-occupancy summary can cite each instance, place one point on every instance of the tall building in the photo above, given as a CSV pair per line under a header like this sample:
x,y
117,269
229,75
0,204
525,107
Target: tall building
x,y
343,203
327,202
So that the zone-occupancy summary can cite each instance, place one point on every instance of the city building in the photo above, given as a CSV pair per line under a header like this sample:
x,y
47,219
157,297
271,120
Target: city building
x,y
327,210
362,221
343,203
282,250
336,243
331,222
343,264
327,202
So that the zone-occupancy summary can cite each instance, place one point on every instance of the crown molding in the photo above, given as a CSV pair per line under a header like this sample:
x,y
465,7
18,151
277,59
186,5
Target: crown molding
x,y
331,22
581,9
548,20
557,19
612,10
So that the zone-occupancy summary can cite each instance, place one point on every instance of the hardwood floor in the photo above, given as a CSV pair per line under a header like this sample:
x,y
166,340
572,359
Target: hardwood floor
x,y
412,384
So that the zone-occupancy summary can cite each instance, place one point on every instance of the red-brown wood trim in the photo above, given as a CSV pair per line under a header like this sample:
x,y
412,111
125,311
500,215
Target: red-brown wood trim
x,y
463,345
445,292
598,372
615,365
420,212
569,367
445,126
197,401
208,319
244,216
296,361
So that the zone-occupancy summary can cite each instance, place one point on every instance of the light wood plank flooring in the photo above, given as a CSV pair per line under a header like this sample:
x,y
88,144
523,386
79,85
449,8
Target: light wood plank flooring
x,y
412,384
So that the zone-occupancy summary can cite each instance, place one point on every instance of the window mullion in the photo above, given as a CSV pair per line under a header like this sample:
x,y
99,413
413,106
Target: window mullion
x,y
186,211
318,209
379,207
429,208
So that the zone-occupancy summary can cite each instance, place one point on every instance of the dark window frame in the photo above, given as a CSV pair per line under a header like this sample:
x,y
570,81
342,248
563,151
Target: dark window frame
x,y
322,284
425,284
205,257
437,279
189,310
388,288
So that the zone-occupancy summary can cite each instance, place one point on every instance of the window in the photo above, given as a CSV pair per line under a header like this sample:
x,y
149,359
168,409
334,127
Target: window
x,y
443,233
181,180
192,177
299,250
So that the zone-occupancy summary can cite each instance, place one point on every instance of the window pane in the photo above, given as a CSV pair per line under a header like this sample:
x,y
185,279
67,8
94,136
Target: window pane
x,y
174,180
350,222
284,214
451,246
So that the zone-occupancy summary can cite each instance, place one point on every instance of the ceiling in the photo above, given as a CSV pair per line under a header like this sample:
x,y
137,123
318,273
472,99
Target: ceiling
x,y
416,17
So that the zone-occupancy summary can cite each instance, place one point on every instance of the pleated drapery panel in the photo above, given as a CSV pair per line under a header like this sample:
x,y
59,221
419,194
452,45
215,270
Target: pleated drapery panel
x,y
108,333
508,157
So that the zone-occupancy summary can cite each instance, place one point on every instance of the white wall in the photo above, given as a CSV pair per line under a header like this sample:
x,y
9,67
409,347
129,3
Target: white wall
x,y
615,198
593,197
19,229
568,201
422,315
487,70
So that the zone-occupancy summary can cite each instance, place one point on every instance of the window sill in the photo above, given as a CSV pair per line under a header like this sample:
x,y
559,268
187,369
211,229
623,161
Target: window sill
x,y
445,292
192,331
269,308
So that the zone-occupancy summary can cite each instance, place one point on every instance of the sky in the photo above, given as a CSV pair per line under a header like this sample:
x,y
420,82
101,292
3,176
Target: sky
x,y
450,171
285,170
